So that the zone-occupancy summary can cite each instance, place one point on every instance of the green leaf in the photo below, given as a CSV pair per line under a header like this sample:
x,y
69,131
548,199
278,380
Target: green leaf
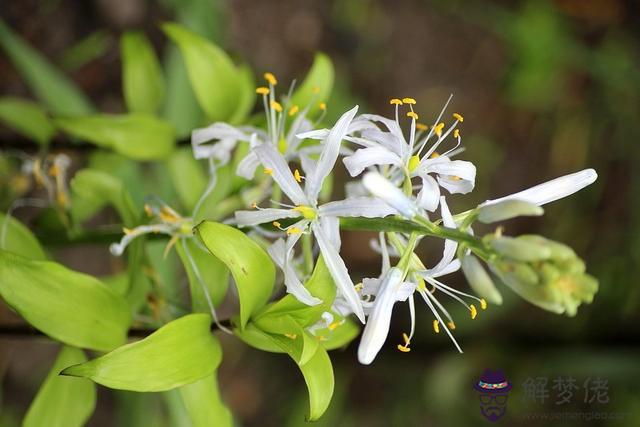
x,y
251,267
340,336
71,307
142,81
187,176
209,271
16,238
179,353
204,405
317,84
138,136
54,89
246,95
93,189
27,118
63,402
289,336
213,75
318,374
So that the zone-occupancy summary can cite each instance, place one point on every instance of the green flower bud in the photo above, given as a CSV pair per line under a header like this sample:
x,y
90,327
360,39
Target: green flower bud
x,y
479,280
507,209
559,251
520,250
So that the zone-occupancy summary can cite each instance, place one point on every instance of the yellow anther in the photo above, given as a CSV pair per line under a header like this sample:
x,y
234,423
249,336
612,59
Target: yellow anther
x,y
293,110
456,133
276,224
483,304
254,205
315,89
54,171
262,90
436,326
297,176
413,115
333,326
458,117
451,325
269,77
322,106
168,215
306,211
291,336
473,310
406,339
268,171
358,287
404,348
321,338
438,129
127,231
148,210
455,178
434,155
276,106
414,162
409,101
395,101
293,230
421,126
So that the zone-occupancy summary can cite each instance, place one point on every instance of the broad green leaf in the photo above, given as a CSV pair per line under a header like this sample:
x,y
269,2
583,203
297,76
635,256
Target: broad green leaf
x,y
203,269
139,284
27,118
71,307
290,336
317,84
257,338
251,267
16,238
93,189
246,95
339,336
54,89
181,352
318,374
138,136
215,206
213,75
127,170
187,176
204,404
62,401
142,81
86,50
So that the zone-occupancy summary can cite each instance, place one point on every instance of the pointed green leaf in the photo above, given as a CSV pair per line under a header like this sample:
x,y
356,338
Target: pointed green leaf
x,y
27,118
54,89
246,95
204,405
71,307
16,238
213,75
251,267
203,269
187,176
317,84
142,80
289,335
138,136
62,401
341,335
181,352
318,374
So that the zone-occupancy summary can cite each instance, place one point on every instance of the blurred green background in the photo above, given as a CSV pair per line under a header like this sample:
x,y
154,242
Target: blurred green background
x,y
546,88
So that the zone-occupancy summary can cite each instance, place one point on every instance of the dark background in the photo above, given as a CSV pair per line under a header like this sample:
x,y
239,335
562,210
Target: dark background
x,y
546,88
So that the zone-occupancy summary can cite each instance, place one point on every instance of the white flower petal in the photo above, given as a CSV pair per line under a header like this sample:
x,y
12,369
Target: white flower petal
x,y
373,156
307,163
367,207
377,326
281,173
224,136
553,190
450,246
380,187
281,254
331,227
338,271
261,216
247,166
429,194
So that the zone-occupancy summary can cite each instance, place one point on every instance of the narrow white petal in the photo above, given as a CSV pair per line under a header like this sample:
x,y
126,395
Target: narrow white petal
x,y
429,194
553,190
331,227
380,187
377,327
367,207
281,173
373,156
247,166
329,155
217,131
450,246
261,216
307,163
338,271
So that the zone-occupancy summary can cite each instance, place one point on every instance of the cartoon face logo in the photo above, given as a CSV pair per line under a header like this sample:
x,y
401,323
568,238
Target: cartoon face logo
x,y
493,390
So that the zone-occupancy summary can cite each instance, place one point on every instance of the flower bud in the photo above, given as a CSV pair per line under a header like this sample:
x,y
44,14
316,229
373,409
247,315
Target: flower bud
x,y
519,249
507,209
559,251
479,280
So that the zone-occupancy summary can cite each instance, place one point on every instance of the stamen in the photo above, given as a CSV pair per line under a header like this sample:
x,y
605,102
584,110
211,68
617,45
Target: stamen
x,y
168,215
456,133
276,106
268,171
293,110
421,126
473,310
293,230
436,326
405,347
413,115
483,303
434,155
297,176
322,106
395,101
148,210
262,90
438,129
276,224
458,117
333,326
451,325
321,338
409,101
269,77
254,205
291,336
406,339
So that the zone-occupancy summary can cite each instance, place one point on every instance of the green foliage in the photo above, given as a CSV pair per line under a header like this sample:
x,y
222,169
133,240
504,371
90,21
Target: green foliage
x,y
318,374
142,80
57,92
187,177
62,401
66,305
16,238
27,118
138,136
181,352
317,84
204,405
251,267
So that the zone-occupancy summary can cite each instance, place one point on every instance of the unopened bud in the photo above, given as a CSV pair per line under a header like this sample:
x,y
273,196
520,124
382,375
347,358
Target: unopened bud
x,y
507,209
519,249
479,280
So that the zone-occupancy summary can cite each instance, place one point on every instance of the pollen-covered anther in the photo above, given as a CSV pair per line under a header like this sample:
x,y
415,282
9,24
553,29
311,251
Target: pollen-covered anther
x,y
276,106
409,101
456,133
291,336
297,176
293,110
434,155
254,205
413,115
262,90
294,230
483,303
458,117
405,347
270,78
276,224
451,325
395,101
438,129
436,326
333,326
473,310
148,210
168,215
322,106
268,171
421,126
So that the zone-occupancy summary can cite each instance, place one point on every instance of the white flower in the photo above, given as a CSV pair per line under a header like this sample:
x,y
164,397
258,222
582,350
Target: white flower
x,y
322,220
